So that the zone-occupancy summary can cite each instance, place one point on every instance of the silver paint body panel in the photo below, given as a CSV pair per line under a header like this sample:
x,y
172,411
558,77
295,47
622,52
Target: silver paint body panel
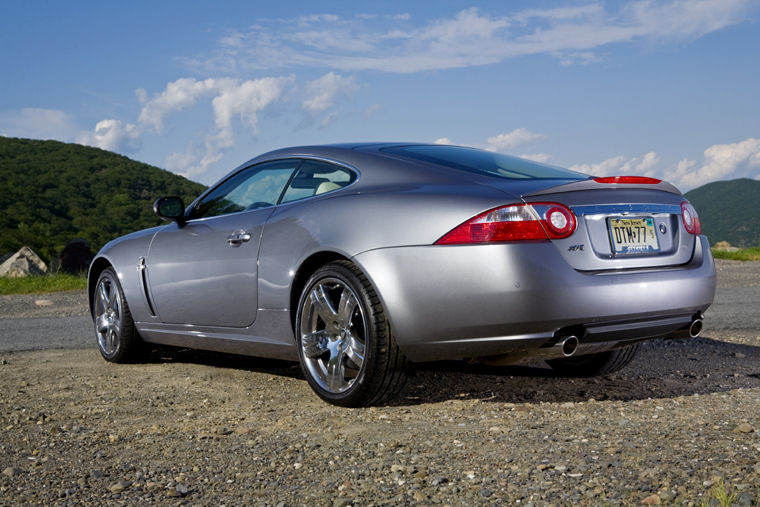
x,y
443,302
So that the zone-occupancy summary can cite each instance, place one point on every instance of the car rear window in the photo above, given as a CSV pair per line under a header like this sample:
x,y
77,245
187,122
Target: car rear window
x,y
483,162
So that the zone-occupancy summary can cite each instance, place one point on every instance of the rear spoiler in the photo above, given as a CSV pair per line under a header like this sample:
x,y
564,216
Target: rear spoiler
x,y
592,184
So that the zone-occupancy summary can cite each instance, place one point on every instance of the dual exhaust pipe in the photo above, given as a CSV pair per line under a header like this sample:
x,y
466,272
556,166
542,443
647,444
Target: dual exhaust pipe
x,y
569,344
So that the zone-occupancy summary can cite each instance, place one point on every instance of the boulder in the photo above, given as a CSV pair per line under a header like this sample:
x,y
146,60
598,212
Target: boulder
x,y
23,263
725,245
75,257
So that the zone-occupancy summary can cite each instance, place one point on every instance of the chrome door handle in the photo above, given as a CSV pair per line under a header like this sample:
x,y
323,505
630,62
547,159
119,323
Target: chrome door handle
x,y
238,238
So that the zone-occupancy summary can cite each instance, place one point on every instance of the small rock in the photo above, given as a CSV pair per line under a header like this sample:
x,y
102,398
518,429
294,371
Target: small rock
x,y
11,472
43,302
744,499
182,489
651,500
485,492
743,428
739,355
118,487
419,496
96,474
343,502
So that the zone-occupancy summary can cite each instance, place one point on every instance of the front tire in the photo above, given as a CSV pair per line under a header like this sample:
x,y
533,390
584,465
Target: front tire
x,y
118,340
345,345
593,365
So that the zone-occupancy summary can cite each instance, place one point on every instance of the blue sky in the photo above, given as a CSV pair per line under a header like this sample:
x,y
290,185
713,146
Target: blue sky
x,y
663,88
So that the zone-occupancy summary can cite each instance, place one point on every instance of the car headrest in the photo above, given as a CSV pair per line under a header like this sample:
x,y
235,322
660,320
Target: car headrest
x,y
326,187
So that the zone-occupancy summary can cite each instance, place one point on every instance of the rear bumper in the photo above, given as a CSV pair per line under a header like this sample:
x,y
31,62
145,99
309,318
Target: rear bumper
x,y
449,302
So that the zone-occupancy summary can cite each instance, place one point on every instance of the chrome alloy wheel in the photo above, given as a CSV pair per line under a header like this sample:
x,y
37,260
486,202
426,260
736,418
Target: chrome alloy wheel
x,y
333,335
108,316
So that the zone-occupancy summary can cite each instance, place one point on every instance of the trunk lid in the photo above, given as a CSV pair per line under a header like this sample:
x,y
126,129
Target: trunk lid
x,y
621,226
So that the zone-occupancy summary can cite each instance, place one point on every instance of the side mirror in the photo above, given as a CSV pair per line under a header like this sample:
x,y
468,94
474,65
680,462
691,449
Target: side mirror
x,y
171,209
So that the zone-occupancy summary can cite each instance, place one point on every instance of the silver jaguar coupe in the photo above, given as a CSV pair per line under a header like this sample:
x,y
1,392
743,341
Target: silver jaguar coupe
x,y
359,259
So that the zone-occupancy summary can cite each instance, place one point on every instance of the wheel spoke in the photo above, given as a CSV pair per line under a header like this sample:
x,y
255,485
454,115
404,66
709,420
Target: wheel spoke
x,y
110,340
104,294
113,298
336,371
355,350
346,307
314,344
322,304
102,323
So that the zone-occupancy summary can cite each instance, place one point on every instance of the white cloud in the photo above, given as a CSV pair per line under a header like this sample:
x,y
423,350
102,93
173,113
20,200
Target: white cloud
x,y
322,93
372,109
178,95
468,38
619,166
113,135
37,123
506,142
510,140
537,157
721,161
231,99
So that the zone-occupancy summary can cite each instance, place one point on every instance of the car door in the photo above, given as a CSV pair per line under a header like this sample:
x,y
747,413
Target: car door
x,y
204,272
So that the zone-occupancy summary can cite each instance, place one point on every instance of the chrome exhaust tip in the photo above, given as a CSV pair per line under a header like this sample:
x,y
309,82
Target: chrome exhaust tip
x,y
695,328
569,345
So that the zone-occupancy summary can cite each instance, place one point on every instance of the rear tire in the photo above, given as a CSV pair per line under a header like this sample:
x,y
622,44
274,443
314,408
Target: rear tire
x,y
344,342
593,365
118,340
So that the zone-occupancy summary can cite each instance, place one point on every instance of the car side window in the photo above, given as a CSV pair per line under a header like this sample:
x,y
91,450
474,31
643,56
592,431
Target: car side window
x,y
315,178
256,187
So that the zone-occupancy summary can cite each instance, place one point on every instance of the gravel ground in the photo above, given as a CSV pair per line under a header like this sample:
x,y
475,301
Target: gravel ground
x,y
190,428
59,304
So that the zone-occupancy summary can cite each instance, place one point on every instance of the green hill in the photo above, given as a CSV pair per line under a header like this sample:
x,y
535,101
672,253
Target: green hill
x,y
729,211
52,192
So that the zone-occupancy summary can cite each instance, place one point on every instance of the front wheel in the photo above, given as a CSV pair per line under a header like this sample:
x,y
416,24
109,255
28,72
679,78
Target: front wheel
x,y
118,340
593,365
345,345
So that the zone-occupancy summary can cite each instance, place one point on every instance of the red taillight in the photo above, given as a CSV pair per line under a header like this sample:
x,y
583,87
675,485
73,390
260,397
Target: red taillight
x,y
641,180
560,221
516,222
690,218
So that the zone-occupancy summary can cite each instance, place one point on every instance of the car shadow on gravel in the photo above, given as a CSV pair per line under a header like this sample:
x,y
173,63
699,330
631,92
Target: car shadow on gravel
x,y
662,369
221,360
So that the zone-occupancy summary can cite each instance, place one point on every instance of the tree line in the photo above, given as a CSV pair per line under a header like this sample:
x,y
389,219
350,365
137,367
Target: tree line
x,y
53,192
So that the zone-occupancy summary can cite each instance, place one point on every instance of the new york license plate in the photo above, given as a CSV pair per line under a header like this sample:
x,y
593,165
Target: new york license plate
x,y
630,236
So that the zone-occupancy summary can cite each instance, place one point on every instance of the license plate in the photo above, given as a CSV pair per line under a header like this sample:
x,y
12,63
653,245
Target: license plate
x,y
630,236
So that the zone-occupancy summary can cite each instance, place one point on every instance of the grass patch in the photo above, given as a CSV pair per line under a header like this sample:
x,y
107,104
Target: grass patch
x,y
748,254
36,284
725,496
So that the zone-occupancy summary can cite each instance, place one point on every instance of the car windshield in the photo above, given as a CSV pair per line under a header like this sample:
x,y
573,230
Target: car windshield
x,y
483,162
